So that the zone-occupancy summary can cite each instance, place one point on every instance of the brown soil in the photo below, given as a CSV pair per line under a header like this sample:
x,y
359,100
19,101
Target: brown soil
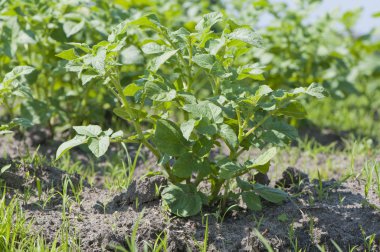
x,y
104,219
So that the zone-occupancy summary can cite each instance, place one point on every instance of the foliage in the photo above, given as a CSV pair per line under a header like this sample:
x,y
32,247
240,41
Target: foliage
x,y
191,100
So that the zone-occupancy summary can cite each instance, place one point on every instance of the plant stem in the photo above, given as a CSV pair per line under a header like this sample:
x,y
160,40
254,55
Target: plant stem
x,y
215,190
135,123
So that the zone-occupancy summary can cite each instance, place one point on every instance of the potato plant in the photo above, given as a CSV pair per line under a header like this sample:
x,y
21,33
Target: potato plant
x,y
190,101
15,84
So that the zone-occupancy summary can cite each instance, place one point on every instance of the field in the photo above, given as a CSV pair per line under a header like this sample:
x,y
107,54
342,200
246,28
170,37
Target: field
x,y
187,126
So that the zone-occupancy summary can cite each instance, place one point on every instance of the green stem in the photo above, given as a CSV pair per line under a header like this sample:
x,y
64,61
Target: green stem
x,y
261,122
10,111
216,190
135,123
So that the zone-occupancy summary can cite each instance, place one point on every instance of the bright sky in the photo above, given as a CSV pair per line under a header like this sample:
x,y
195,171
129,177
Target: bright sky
x,y
366,22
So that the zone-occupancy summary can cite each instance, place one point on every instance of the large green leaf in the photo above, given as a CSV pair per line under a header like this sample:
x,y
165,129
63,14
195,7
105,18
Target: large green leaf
x,y
99,146
169,139
293,109
265,157
208,21
64,147
182,200
153,48
246,35
158,93
67,54
253,71
99,60
204,60
252,200
184,166
15,73
187,127
187,164
262,163
71,28
270,194
158,61
89,130
229,136
205,109
229,169
317,91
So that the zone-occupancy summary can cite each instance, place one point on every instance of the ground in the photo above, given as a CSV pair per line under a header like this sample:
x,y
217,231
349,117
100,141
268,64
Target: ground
x,y
328,208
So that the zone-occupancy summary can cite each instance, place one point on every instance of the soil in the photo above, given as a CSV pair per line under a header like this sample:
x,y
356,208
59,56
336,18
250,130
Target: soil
x,y
103,219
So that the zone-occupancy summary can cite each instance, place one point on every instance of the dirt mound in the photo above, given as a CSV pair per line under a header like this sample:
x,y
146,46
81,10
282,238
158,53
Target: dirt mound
x,y
317,214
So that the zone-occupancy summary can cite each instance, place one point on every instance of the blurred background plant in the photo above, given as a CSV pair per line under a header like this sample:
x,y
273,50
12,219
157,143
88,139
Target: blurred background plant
x,y
296,51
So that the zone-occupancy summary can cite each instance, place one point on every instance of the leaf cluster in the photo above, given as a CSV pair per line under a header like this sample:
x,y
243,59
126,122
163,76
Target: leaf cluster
x,y
190,102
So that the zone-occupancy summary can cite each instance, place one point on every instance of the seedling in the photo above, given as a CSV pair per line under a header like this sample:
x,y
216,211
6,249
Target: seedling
x,y
293,238
203,247
182,124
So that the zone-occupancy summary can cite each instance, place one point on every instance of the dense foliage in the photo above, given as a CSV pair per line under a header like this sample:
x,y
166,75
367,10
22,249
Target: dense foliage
x,y
192,100
184,78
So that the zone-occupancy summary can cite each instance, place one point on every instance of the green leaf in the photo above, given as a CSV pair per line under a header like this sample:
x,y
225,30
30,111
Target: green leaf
x,y
182,200
293,109
158,93
153,48
90,130
15,73
23,122
36,111
117,134
158,61
208,21
229,136
122,113
253,71
229,169
246,35
262,163
187,127
205,127
98,61
26,37
84,47
270,194
131,56
87,76
205,109
184,166
99,146
5,168
149,20
131,89
169,139
281,127
187,164
265,157
204,60
68,54
243,185
64,147
252,200
202,146
70,28
317,91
